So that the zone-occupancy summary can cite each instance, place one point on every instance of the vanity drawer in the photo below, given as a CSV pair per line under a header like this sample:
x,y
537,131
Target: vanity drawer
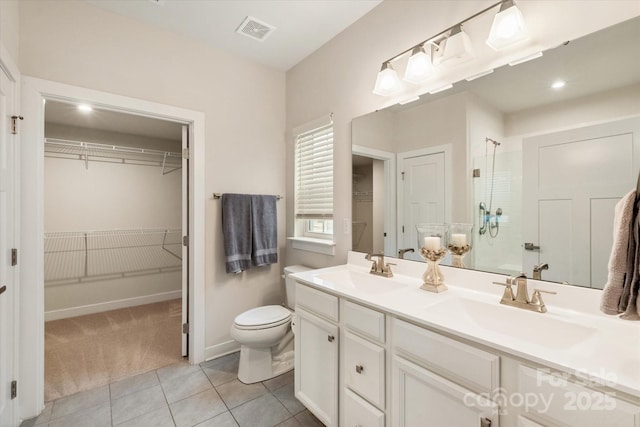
x,y
469,366
561,401
317,302
365,321
363,368
358,412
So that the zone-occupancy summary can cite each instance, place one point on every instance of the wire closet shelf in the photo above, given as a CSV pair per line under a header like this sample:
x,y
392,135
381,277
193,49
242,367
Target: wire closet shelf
x,y
88,151
84,256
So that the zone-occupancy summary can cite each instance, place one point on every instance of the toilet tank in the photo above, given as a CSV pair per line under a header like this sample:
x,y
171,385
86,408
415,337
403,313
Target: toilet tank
x,y
290,283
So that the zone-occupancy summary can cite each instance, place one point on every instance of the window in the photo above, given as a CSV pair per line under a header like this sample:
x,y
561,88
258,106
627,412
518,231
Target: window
x,y
314,181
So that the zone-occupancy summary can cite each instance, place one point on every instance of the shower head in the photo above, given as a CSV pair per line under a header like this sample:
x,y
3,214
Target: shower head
x,y
496,143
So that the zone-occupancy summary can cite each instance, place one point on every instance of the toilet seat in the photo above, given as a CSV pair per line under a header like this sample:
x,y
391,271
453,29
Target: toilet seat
x,y
268,316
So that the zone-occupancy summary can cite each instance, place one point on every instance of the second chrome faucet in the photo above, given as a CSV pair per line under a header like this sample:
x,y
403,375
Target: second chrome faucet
x,y
521,299
379,267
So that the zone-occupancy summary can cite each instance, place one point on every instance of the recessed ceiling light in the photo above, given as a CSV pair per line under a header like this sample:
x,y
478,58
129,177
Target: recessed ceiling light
x,y
558,84
85,108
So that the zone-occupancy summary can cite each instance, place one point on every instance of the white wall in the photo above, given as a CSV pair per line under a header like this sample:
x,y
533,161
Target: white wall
x,y
76,43
110,197
340,76
9,27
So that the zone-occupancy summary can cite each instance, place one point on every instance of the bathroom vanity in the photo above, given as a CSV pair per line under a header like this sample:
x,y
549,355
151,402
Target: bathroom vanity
x,y
374,352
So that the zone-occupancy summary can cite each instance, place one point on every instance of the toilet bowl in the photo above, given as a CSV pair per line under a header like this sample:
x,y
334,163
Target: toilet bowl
x,y
265,336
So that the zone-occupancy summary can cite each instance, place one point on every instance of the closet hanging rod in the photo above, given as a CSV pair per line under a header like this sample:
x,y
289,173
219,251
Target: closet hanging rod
x,y
219,196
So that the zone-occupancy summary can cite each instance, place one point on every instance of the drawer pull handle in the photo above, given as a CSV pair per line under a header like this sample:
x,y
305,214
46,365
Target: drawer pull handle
x,y
359,369
331,338
485,422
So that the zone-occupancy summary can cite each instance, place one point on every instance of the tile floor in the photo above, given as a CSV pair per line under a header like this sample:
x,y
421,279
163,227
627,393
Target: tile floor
x,y
205,395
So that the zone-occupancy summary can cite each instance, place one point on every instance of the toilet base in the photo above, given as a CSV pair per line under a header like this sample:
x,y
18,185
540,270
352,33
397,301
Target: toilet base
x,y
259,364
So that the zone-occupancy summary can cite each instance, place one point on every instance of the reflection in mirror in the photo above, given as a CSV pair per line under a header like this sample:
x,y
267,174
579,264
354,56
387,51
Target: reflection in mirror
x,y
535,156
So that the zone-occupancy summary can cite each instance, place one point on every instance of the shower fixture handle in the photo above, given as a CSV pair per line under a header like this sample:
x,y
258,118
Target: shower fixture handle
x,y
528,246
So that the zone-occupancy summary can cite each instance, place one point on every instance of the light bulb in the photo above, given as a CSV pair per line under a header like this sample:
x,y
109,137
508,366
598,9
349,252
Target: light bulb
x,y
508,27
419,66
387,82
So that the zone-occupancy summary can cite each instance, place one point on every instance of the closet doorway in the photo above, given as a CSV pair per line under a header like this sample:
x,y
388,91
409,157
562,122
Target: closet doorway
x,y
115,213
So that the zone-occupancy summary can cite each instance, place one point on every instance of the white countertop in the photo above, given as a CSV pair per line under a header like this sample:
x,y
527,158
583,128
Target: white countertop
x,y
572,337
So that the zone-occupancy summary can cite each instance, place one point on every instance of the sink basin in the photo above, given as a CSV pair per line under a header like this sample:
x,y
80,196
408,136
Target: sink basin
x,y
516,323
363,282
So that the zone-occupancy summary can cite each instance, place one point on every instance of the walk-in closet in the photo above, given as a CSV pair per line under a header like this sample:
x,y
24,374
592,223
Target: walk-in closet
x,y
113,249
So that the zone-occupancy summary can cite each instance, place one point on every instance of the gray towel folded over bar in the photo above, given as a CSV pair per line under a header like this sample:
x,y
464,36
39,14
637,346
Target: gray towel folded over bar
x,y
237,232
264,223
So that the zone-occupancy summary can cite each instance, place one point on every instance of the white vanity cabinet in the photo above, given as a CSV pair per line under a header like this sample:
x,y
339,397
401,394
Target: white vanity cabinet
x,y
363,367
437,381
317,351
555,400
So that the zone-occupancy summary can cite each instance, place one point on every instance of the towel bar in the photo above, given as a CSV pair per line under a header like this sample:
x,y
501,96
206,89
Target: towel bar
x,y
219,195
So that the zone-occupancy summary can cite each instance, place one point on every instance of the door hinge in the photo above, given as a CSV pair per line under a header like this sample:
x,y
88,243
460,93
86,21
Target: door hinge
x,y
14,257
185,240
14,389
402,174
14,124
185,328
403,228
185,153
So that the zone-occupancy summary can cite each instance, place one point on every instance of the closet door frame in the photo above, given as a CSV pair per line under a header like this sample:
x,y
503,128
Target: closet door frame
x,y
35,92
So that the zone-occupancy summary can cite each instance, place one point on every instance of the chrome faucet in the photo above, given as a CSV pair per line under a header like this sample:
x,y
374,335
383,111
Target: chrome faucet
x,y
379,268
521,299
401,252
537,270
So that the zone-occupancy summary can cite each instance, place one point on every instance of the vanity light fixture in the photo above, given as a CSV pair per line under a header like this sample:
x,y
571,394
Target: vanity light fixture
x,y
85,108
388,82
457,48
558,84
453,45
508,27
420,65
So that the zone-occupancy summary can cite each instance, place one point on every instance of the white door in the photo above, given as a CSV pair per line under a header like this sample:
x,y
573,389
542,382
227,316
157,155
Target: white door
x,y
420,398
8,172
423,197
572,181
316,366
185,232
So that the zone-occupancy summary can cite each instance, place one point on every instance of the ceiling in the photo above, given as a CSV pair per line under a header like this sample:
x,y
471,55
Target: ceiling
x,y
302,26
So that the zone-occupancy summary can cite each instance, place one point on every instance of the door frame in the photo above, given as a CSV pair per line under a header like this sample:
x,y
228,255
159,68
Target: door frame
x,y
10,68
389,159
447,150
34,93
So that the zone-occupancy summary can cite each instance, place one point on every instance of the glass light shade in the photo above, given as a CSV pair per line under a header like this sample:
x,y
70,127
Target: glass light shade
x,y
457,47
387,82
508,28
419,67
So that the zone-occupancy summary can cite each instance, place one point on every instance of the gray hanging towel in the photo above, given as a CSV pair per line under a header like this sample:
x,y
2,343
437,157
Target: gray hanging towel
x,y
264,221
236,231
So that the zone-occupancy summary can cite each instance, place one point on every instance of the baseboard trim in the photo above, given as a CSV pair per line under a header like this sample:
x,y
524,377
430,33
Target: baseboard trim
x,y
221,349
110,305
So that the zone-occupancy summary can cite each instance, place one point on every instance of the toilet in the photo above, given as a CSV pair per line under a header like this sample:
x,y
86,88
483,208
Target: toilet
x,y
266,337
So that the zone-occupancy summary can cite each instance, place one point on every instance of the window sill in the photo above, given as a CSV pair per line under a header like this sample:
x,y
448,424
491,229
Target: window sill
x,y
320,246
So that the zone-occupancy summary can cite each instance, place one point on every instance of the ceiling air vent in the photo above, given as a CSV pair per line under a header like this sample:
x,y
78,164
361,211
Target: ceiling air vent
x,y
255,29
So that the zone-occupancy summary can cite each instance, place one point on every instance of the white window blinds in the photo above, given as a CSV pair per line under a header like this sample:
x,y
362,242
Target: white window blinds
x,y
314,173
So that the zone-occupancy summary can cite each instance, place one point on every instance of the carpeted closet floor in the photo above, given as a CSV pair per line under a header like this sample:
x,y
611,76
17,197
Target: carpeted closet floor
x,y
86,352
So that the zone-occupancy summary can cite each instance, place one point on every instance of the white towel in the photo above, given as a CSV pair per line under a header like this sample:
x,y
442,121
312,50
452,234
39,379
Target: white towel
x,y
622,222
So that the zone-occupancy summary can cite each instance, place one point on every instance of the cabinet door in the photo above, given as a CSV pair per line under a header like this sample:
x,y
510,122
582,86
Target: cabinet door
x,y
316,366
420,398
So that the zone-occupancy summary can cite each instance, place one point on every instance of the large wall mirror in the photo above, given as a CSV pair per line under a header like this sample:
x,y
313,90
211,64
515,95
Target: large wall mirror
x,y
534,155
